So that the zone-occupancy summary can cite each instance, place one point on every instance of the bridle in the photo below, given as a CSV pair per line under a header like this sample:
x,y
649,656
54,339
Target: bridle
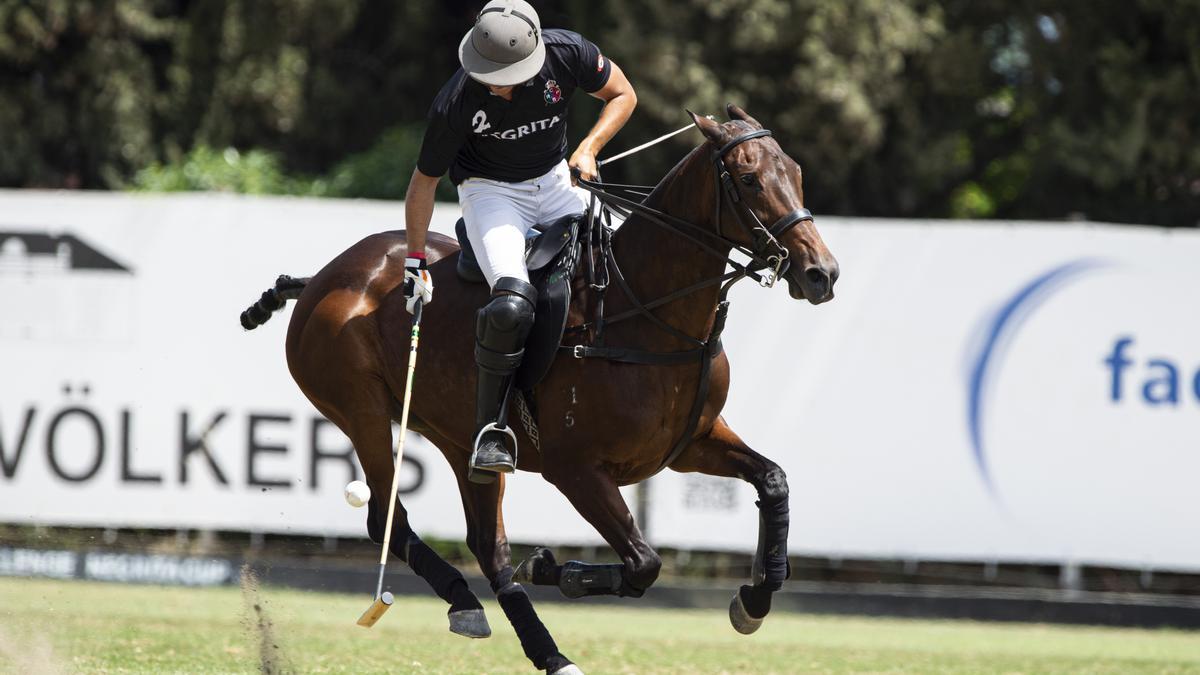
x,y
766,239
767,255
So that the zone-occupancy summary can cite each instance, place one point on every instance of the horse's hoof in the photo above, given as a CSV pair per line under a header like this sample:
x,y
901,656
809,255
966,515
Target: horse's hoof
x,y
480,476
740,618
569,669
470,623
537,569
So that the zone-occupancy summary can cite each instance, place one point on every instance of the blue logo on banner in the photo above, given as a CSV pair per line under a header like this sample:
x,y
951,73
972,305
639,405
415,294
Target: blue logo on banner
x,y
998,332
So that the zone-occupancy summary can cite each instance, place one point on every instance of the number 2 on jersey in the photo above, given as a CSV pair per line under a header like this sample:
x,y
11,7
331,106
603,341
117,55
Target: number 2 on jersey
x,y
480,123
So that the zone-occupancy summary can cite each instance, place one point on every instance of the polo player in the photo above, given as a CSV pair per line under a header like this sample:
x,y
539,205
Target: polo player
x,y
499,126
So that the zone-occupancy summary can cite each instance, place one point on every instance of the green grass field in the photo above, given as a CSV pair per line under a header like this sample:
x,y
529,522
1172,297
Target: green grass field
x,y
66,627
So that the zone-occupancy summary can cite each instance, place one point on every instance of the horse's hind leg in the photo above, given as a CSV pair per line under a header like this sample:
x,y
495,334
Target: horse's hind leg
x,y
371,434
596,497
722,453
489,543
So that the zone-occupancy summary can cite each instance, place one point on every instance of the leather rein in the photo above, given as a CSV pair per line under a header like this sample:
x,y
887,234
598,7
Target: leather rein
x,y
767,255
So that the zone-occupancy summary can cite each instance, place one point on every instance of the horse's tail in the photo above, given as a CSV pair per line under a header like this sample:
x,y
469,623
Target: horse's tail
x,y
273,299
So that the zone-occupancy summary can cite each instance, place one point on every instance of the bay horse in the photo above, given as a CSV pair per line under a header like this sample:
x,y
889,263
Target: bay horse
x,y
603,422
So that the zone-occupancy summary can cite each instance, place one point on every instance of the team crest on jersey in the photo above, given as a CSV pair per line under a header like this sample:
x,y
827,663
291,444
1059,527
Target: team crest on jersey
x,y
552,94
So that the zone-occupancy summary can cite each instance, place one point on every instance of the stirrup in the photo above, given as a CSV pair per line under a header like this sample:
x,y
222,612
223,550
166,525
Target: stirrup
x,y
483,474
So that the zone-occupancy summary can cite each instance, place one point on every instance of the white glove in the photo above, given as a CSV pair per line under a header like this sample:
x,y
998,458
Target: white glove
x,y
418,283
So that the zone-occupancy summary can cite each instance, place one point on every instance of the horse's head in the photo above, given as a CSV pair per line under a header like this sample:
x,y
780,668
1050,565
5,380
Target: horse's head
x,y
768,184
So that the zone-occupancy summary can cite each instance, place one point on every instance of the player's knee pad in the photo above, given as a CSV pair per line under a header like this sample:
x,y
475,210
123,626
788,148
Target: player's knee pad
x,y
503,325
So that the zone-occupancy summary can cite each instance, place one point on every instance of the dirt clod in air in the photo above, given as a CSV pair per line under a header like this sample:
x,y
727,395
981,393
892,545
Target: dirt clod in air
x,y
259,627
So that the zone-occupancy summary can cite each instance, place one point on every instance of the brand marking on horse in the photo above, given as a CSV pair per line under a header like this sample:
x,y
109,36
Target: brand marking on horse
x,y
569,417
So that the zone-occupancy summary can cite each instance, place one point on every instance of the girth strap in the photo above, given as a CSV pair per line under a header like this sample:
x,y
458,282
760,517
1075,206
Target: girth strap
x,y
638,356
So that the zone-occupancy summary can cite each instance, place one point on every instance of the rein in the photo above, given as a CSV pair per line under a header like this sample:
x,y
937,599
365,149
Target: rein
x,y
766,254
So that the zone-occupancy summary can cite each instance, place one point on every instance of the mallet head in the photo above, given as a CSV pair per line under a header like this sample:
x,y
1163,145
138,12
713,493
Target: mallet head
x,y
376,610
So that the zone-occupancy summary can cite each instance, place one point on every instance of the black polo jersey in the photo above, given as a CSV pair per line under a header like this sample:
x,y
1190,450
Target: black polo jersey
x,y
473,133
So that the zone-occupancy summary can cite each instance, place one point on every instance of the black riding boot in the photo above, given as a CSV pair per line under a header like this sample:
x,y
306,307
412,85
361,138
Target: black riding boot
x,y
501,328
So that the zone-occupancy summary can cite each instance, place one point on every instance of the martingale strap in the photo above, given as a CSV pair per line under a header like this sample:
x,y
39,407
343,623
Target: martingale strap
x,y
713,348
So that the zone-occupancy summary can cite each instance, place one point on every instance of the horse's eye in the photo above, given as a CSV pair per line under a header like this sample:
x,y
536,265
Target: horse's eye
x,y
749,179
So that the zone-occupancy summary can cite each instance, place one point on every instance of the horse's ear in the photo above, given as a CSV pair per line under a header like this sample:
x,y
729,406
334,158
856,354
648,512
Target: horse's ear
x,y
736,113
711,129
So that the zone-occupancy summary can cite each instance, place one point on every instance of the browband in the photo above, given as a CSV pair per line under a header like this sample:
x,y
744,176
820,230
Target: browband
x,y
742,139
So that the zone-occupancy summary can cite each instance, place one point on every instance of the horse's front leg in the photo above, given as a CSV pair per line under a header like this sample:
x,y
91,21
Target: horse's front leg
x,y
722,453
466,613
369,429
489,543
596,497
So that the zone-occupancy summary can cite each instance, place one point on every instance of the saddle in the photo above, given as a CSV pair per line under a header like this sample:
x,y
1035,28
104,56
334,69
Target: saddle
x,y
551,258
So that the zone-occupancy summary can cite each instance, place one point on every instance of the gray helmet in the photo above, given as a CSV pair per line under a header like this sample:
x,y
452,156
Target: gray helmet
x,y
505,47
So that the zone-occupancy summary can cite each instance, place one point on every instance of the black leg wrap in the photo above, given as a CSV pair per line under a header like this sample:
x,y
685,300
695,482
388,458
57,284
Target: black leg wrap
x,y
580,579
401,536
503,578
770,561
445,580
539,647
771,557
374,524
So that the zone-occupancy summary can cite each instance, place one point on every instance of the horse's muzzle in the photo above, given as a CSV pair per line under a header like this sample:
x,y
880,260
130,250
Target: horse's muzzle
x,y
813,283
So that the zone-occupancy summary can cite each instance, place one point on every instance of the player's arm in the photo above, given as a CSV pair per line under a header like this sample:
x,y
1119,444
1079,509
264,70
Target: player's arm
x,y
619,101
418,208
418,211
443,138
442,141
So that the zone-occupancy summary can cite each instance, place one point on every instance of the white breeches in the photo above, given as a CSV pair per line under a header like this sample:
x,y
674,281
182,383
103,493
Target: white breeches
x,y
499,215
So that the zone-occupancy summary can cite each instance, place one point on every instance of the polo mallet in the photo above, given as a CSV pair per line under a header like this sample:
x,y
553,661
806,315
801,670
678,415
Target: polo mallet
x,y
384,600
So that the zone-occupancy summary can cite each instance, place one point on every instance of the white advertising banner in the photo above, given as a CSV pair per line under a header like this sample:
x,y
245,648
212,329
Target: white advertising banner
x,y
1006,392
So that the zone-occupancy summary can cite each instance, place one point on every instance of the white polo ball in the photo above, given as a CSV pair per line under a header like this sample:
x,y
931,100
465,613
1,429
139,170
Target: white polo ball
x,y
357,493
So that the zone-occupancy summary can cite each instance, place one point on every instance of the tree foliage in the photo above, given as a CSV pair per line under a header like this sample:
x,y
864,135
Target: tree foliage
x,y
977,108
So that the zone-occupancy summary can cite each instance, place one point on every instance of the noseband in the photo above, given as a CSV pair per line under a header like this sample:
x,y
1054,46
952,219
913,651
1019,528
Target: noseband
x,y
770,253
